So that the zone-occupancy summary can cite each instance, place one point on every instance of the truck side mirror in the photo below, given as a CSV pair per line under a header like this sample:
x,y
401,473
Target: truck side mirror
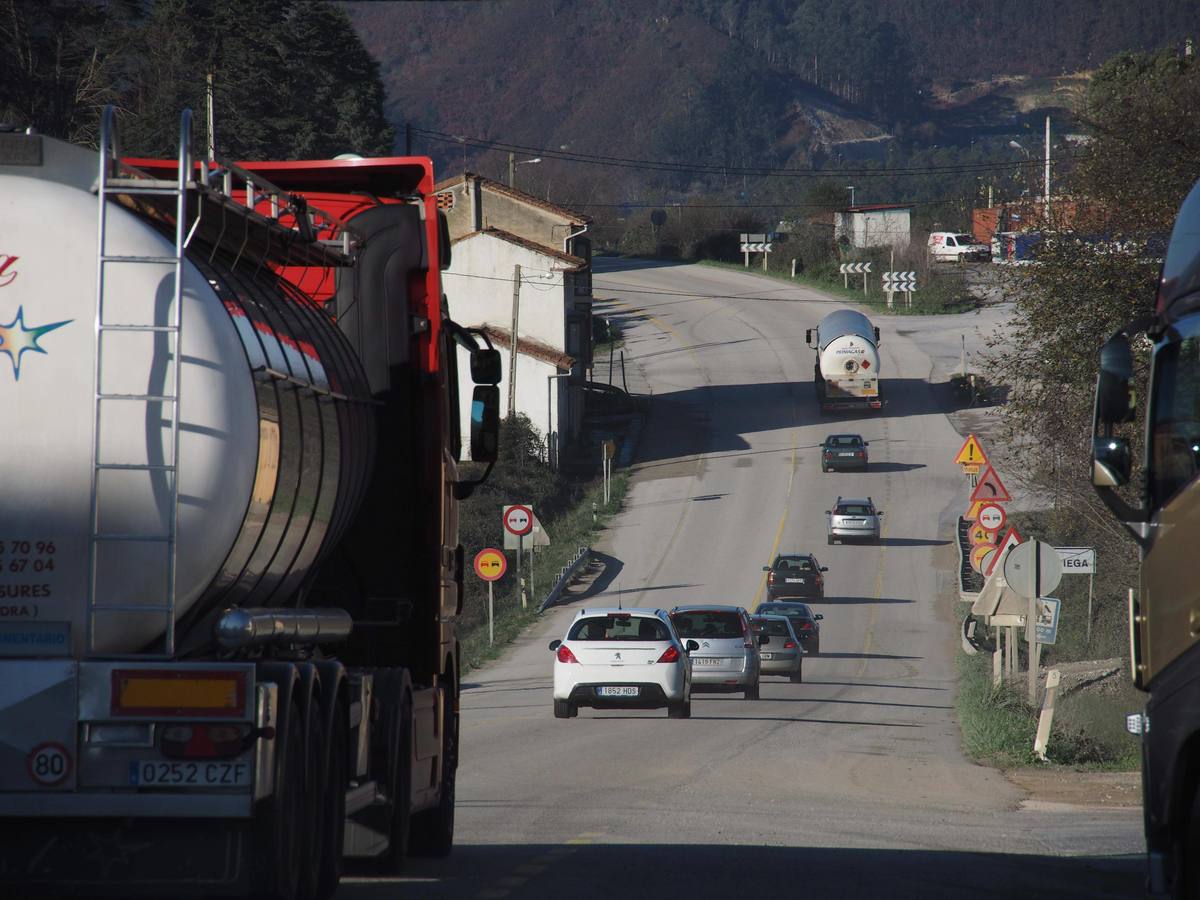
x,y
485,366
1114,394
1111,462
876,335
485,423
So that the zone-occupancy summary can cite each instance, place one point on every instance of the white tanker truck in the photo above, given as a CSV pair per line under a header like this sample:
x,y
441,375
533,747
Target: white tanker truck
x,y
846,372
229,559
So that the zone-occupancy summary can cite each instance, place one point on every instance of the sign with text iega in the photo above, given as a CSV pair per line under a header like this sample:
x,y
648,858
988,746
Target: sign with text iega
x,y
1077,560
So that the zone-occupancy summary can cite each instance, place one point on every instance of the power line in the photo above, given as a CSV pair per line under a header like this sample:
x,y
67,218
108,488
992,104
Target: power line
x,y
1032,163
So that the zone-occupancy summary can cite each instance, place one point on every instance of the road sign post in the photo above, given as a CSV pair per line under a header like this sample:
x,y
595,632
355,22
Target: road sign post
x,y
490,565
1081,561
1031,569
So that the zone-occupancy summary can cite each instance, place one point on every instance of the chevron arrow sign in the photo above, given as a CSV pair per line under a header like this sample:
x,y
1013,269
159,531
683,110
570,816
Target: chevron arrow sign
x,y
854,268
756,248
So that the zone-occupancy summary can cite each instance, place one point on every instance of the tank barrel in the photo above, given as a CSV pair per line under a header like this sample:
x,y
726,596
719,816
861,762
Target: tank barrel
x,y
238,628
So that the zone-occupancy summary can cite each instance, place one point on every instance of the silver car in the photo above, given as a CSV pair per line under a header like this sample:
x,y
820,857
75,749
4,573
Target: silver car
x,y
727,660
852,520
783,653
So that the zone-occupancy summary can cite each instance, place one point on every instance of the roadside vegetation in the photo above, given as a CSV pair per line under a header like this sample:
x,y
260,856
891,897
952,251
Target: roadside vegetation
x,y
572,512
1096,271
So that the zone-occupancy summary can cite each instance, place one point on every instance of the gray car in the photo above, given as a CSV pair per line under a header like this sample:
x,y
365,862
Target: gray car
x,y
727,659
783,653
852,520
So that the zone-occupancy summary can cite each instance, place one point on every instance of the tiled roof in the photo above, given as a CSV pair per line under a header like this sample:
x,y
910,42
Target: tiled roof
x,y
573,261
575,218
529,347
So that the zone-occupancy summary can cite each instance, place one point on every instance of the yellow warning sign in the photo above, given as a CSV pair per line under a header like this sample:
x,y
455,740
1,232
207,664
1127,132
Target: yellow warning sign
x,y
971,468
971,453
980,535
973,511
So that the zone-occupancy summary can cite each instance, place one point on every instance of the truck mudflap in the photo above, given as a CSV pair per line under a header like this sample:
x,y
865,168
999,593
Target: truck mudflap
x,y
113,857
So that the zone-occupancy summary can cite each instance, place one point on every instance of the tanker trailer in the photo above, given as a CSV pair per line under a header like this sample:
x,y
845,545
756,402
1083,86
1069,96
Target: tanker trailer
x,y
846,372
229,558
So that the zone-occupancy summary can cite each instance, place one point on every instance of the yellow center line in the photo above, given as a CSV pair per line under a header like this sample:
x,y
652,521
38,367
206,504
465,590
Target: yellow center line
x,y
762,582
870,640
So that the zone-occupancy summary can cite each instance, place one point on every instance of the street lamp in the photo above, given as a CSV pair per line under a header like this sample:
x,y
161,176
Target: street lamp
x,y
850,188
551,455
513,162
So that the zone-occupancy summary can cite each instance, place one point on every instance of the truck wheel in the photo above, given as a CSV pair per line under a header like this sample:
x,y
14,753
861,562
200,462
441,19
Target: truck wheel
x,y
433,829
1187,854
283,816
398,713
314,832
565,709
334,806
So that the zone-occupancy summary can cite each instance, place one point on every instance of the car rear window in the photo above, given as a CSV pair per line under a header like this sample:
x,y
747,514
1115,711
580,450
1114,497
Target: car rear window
x,y
844,442
792,610
774,629
795,565
853,509
619,628
720,625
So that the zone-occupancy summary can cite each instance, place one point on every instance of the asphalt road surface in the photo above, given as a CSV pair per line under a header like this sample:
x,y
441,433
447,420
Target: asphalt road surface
x,y
851,784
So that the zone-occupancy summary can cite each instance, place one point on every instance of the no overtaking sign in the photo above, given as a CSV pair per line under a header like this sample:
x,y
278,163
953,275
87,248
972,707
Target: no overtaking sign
x,y
518,519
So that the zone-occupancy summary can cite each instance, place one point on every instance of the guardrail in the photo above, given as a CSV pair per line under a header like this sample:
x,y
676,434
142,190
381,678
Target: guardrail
x,y
565,575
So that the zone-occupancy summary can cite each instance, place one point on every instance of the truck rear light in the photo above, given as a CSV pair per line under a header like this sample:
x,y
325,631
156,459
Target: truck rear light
x,y
670,655
565,655
178,694
203,741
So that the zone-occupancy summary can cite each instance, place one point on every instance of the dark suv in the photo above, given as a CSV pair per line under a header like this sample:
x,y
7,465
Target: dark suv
x,y
795,575
844,451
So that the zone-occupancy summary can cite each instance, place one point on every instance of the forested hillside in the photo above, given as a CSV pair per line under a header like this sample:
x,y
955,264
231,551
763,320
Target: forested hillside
x,y
291,79
728,81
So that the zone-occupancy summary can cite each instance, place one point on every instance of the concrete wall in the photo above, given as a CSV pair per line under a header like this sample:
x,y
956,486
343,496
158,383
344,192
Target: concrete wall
x,y
492,209
531,395
874,228
479,289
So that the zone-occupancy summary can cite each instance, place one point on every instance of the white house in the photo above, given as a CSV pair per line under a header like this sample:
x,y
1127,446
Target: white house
x,y
493,230
874,225
485,268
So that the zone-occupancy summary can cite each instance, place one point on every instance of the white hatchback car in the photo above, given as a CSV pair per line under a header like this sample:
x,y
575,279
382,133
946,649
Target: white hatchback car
x,y
622,659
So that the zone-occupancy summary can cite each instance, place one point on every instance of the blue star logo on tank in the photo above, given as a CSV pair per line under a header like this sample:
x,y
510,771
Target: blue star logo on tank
x,y
16,339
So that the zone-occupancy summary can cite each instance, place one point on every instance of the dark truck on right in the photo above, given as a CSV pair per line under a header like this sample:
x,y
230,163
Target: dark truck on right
x,y
1161,508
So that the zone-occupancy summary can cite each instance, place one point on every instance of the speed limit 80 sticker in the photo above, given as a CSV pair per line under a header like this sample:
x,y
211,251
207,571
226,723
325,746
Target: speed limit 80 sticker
x,y
49,764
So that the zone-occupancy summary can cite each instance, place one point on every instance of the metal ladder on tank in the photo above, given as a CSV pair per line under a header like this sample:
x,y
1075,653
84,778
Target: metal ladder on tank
x,y
109,184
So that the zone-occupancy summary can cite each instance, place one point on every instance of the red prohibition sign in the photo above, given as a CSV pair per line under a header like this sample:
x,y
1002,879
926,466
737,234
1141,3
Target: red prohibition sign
x,y
518,520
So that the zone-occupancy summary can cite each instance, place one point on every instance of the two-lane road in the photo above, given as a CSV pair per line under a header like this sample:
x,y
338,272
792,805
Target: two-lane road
x,y
851,784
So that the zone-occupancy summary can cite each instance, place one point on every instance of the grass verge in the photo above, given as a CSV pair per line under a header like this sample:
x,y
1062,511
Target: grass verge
x,y
938,294
577,527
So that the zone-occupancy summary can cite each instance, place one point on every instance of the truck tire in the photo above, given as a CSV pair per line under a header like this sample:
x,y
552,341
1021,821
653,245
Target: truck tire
x,y
280,819
313,834
433,829
333,803
393,759
1187,853
277,819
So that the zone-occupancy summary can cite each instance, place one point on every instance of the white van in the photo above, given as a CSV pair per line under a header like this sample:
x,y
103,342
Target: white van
x,y
950,246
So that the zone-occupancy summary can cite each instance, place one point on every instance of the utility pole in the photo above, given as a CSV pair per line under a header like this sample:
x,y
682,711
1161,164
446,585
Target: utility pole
x,y
512,356
850,188
512,169
1047,186
212,139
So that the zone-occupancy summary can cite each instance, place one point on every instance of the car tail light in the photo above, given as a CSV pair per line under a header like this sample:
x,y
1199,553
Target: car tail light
x,y
565,655
806,626
789,644
670,655
770,578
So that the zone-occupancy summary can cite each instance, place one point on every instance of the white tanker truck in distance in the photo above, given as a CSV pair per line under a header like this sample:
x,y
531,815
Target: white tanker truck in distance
x,y
229,561
846,372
